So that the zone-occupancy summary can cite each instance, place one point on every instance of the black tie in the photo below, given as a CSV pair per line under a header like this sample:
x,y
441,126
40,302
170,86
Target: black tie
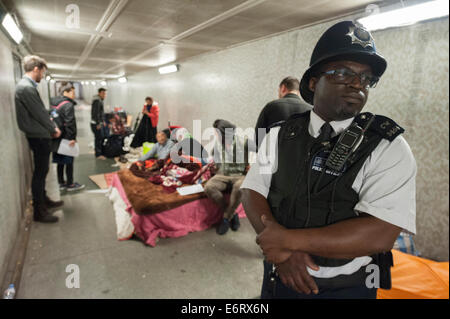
x,y
325,132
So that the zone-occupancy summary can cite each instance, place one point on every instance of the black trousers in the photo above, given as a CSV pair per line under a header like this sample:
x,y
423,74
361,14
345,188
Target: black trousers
x,y
69,173
98,134
41,155
280,291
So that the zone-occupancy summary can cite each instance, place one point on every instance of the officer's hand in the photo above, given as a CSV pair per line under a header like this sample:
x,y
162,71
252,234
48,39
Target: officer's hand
x,y
271,241
293,273
57,133
72,143
99,126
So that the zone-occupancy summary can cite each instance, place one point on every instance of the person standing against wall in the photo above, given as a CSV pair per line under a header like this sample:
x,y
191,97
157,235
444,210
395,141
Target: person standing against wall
x,y
65,105
98,121
146,132
34,120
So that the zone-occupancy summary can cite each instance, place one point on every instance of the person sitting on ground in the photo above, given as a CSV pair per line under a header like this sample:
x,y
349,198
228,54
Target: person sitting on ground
x,y
231,158
161,149
187,146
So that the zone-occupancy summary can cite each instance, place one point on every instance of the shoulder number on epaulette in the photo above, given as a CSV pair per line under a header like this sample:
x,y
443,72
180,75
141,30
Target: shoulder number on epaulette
x,y
387,127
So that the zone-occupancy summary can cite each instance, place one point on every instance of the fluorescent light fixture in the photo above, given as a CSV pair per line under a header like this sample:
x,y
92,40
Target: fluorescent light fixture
x,y
12,28
406,16
122,80
48,78
168,69
93,82
103,83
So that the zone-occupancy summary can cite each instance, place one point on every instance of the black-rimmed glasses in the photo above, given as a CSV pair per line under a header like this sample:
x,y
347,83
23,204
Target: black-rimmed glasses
x,y
346,76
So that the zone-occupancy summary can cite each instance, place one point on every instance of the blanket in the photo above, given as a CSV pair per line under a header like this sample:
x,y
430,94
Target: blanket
x,y
194,216
148,198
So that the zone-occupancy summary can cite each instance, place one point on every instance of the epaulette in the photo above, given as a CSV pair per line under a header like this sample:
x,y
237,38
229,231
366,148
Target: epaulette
x,y
279,123
292,128
382,125
298,115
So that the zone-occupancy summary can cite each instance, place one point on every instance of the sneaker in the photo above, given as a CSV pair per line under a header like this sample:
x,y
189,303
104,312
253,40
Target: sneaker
x,y
235,224
223,227
74,187
63,187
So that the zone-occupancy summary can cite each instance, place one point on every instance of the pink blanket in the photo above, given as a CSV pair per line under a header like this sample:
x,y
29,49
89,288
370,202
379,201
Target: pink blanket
x,y
197,215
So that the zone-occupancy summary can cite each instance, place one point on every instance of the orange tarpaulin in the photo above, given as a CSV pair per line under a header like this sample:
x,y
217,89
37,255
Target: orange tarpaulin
x,y
416,278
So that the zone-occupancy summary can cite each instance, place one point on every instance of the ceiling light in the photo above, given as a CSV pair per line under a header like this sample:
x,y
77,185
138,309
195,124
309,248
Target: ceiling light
x,y
168,69
48,78
93,82
103,83
406,16
122,80
12,28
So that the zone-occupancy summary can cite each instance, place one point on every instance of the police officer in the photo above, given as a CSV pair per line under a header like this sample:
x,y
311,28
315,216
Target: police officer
x,y
331,200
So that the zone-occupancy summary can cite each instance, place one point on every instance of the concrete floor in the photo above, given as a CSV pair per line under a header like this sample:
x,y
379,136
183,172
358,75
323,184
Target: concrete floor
x,y
199,265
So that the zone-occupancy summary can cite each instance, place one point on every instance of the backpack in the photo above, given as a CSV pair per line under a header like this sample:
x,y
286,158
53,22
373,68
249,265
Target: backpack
x,y
54,115
112,146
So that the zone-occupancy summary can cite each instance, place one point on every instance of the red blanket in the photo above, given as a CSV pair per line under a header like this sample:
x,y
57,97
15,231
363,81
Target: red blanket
x,y
196,215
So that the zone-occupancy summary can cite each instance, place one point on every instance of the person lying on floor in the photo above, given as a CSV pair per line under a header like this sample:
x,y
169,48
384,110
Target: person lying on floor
x,y
231,158
161,149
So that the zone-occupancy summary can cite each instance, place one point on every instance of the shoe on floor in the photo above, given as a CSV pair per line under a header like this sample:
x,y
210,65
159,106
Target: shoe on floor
x,y
41,215
235,223
223,227
62,187
74,187
52,204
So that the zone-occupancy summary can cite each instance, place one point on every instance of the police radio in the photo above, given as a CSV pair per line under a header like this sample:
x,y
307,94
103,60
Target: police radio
x,y
347,143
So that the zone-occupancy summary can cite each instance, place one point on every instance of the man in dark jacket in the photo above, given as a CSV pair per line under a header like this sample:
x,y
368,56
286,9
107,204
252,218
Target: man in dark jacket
x,y
64,105
34,120
279,110
98,121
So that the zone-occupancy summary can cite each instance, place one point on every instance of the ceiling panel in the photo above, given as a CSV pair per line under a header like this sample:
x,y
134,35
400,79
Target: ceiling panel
x,y
162,19
137,38
168,54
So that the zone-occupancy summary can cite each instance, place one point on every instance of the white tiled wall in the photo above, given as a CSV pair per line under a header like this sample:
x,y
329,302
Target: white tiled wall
x,y
15,172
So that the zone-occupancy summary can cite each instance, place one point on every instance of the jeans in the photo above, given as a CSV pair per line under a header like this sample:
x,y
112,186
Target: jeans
x,y
69,173
41,155
98,134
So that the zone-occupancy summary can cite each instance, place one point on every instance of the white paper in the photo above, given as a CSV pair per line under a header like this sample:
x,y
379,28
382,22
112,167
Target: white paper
x,y
66,149
191,189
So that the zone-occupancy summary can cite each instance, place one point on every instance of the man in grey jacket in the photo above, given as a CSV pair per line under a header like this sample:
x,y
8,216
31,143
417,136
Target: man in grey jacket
x,y
34,120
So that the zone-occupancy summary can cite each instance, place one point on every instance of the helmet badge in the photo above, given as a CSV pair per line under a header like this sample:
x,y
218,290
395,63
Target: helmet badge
x,y
360,36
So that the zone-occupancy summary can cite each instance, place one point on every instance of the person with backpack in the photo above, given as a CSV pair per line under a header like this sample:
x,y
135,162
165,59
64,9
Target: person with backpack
x,y
64,105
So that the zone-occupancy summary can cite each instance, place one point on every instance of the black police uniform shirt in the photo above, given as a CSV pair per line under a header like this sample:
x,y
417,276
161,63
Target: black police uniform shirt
x,y
385,183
